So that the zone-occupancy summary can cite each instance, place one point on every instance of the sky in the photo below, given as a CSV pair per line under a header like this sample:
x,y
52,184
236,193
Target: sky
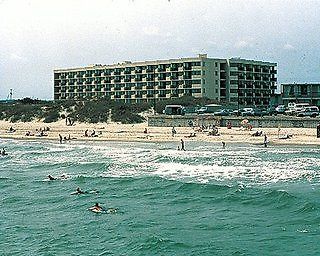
x,y
37,36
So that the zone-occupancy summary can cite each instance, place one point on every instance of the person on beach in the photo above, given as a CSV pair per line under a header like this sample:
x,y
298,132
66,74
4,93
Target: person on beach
x,y
257,133
182,145
86,133
265,140
60,138
173,131
223,144
191,135
11,129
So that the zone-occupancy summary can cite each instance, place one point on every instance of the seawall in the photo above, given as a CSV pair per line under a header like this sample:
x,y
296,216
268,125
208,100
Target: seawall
x,y
199,120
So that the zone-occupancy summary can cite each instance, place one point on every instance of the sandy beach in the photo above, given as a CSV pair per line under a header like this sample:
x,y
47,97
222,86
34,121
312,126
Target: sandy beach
x,y
136,132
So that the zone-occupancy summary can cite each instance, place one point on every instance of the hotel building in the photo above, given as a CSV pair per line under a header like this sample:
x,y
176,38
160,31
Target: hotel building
x,y
235,80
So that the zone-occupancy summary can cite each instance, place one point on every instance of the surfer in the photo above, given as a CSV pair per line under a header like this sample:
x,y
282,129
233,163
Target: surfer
x,y
79,191
223,144
51,178
96,208
3,152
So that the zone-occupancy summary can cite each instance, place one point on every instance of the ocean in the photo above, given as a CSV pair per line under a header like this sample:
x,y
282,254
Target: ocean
x,y
241,200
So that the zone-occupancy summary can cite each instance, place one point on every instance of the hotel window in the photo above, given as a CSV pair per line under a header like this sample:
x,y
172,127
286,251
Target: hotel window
x,y
304,90
291,91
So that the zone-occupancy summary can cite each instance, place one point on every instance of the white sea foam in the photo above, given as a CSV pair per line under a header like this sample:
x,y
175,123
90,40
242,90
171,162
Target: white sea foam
x,y
201,164
205,166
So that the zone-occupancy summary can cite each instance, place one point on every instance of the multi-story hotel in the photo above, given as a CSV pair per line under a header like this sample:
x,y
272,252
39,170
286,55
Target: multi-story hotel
x,y
235,80
303,93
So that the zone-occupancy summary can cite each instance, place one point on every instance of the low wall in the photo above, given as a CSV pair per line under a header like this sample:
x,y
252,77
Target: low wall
x,y
199,120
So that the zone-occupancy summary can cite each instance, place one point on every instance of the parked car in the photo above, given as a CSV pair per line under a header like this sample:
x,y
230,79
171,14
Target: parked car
x,y
280,109
298,107
260,112
290,112
222,112
174,110
291,105
210,108
236,112
312,111
271,111
247,112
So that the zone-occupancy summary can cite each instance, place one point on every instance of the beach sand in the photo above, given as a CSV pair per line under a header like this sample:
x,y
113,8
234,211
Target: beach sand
x,y
135,132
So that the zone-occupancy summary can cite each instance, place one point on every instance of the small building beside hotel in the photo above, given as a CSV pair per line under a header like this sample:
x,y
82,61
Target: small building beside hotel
x,y
302,93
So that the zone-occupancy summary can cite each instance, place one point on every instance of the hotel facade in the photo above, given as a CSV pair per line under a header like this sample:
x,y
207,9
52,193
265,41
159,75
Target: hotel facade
x,y
235,80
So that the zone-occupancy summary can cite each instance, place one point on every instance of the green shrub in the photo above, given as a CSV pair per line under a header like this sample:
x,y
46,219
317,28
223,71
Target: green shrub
x,y
51,116
125,113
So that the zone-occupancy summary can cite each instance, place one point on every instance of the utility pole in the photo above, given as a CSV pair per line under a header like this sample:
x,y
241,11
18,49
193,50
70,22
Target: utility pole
x,y
9,97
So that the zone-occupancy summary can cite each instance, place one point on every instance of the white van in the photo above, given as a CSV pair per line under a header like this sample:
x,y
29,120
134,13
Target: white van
x,y
294,108
291,105
301,106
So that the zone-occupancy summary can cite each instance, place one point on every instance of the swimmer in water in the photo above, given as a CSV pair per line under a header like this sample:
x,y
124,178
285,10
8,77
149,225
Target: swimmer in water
x,y
51,178
96,207
79,191
4,153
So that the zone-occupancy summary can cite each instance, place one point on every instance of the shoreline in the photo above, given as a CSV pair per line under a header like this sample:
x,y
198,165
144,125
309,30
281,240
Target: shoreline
x,y
135,133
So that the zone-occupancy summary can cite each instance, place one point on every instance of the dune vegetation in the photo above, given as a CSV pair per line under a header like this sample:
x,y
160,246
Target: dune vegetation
x,y
92,111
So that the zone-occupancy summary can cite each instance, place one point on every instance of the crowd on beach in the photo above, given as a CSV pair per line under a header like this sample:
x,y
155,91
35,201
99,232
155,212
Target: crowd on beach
x,y
195,131
41,132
